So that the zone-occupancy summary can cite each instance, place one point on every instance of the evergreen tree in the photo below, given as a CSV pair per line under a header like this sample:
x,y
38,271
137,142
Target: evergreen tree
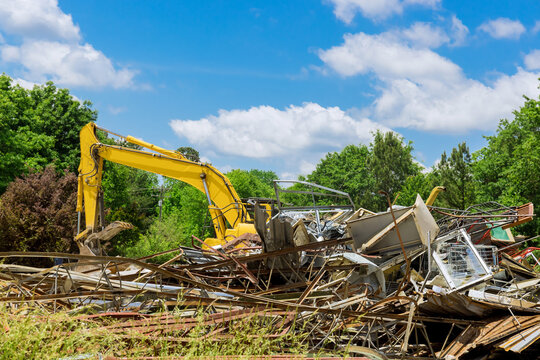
x,y
390,163
455,173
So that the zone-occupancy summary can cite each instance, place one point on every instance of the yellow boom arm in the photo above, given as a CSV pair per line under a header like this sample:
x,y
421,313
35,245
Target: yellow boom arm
x,y
225,205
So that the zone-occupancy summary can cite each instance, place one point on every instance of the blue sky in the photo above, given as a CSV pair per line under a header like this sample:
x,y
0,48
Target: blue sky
x,y
276,84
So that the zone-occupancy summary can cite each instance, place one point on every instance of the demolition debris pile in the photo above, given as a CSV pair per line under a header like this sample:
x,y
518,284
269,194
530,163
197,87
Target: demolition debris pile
x,y
411,282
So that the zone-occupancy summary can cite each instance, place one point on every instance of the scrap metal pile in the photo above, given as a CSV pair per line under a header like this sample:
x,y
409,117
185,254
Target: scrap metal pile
x,y
411,282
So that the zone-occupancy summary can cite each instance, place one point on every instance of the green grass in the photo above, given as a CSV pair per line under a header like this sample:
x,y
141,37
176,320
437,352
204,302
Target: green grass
x,y
35,334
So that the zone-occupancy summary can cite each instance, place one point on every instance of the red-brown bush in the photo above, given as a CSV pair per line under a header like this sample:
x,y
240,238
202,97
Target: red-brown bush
x,y
37,213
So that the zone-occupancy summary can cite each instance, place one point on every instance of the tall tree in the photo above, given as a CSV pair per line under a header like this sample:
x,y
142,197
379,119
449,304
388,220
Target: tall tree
x,y
39,127
189,153
455,173
391,163
421,184
347,171
249,183
189,207
266,176
507,168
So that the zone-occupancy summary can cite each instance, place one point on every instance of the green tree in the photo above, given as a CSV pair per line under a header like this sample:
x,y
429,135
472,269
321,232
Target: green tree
x,y
249,184
391,163
39,127
189,207
347,171
266,176
418,184
129,195
506,170
455,173
189,153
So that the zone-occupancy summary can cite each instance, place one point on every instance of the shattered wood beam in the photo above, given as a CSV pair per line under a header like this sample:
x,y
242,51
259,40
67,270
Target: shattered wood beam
x,y
311,286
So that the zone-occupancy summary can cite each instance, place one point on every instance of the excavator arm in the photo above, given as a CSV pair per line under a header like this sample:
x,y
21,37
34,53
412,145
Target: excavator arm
x,y
229,215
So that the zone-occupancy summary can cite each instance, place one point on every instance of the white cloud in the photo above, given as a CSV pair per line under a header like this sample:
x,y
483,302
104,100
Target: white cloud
x,y
425,35
459,32
287,176
453,107
205,159
51,49
345,10
225,168
423,90
67,64
388,57
41,19
264,131
503,28
115,110
301,168
429,3
532,60
307,167
24,84
423,167
536,27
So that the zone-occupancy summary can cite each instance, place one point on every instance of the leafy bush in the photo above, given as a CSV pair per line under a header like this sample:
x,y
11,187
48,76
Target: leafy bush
x,y
37,212
162,235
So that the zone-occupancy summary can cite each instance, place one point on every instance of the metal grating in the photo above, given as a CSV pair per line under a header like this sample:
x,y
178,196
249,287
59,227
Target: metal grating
x,y
463,264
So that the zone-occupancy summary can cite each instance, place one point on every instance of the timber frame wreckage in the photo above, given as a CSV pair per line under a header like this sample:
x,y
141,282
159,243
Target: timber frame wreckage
x,y
417,282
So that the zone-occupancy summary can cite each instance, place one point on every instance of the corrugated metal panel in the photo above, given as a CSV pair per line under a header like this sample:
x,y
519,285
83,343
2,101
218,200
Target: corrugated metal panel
x,y
522,340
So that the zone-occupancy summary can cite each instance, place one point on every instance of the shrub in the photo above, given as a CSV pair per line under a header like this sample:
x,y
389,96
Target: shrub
x,y
37,212
165,234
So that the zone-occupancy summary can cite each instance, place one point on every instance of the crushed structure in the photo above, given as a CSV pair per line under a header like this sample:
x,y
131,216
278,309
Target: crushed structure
x,y
416,282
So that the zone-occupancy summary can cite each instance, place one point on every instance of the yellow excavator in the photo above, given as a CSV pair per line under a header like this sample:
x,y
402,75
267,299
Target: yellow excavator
x,y
229,215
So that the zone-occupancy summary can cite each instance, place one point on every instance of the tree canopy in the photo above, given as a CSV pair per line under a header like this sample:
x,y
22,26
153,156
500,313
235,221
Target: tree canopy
x,y
454,172
39,127
252,183
507,169
391,163
346,171
189,153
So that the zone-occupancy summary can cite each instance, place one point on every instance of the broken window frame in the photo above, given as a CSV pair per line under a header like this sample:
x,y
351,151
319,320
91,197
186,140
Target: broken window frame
x,y
443,268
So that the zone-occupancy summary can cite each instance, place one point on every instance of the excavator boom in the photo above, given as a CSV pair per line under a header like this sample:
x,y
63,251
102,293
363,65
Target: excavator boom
x,y
225,205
